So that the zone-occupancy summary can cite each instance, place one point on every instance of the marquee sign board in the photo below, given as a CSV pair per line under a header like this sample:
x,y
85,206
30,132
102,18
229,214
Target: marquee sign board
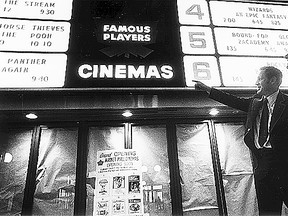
x,y
125,44
242,36
141,43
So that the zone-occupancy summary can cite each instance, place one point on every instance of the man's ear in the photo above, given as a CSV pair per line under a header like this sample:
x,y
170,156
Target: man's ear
x,y
273,80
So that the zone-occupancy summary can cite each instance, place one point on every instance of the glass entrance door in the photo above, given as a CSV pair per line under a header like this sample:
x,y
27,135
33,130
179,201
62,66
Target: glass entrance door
x,y
14,156
128,178
198,178
196,170
236,167
56,172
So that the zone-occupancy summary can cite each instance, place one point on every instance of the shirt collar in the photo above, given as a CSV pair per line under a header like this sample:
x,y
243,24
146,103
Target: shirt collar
x,y
272,98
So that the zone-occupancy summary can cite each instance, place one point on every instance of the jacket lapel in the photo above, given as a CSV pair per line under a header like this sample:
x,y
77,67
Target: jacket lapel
x,y
278,110
255,106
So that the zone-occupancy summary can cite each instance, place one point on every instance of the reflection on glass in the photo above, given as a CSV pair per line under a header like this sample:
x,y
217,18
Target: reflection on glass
x,y
151,143
157,168
6,158
56,172
14,148
237,171
144,169
196,170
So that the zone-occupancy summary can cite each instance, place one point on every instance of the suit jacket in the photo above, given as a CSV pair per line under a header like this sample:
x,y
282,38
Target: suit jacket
x,y
278,127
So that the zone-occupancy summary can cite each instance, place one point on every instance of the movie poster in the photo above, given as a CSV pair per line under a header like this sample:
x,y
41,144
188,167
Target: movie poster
x,y
118,206
102,187
118,189
102,207
134,184
135,206
119,185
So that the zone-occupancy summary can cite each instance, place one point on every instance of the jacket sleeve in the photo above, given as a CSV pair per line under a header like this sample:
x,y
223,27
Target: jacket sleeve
x,y
230,100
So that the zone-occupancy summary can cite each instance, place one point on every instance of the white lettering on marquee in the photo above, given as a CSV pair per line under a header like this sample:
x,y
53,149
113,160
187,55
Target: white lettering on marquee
x,y
86,71
126,33
39,4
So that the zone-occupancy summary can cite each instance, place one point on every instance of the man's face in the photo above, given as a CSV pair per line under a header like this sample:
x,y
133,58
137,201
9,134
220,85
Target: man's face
x,y
264,85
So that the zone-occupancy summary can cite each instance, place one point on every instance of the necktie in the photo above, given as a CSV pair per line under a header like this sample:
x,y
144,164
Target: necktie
x,y
263,129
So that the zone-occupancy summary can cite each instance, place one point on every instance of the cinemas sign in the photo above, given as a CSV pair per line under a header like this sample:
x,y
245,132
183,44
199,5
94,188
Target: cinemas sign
x,y
141,43
126,39
125,44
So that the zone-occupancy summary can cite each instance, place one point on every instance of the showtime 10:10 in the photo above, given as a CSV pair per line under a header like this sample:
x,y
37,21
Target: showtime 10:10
x,y
44,43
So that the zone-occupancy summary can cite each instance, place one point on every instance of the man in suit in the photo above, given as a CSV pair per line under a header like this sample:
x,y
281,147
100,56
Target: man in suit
x,y
269,146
